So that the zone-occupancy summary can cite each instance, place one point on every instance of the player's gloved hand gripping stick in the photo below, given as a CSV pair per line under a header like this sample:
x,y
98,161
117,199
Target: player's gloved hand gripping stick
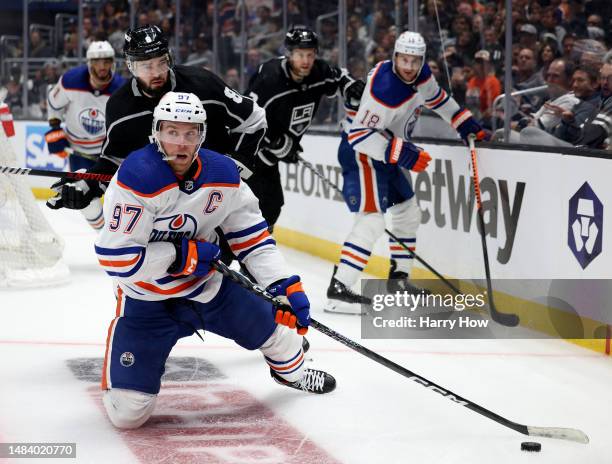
x,y
298,317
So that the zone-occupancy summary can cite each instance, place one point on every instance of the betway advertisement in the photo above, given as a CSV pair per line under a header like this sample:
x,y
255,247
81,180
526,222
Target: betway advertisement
x,y
544,213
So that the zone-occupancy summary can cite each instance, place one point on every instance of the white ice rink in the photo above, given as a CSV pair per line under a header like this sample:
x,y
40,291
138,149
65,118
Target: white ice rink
x,y
223,407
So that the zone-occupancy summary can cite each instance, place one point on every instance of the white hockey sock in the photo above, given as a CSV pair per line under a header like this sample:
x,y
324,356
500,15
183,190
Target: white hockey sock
x,y
358,246
93,214
283,353
405,219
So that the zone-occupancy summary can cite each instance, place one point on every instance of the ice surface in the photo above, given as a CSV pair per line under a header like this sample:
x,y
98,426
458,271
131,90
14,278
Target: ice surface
x,y
219,404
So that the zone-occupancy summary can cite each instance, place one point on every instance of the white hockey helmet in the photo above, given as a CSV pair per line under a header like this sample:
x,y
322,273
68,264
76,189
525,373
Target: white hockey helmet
x,y
100,49
179,107
410,43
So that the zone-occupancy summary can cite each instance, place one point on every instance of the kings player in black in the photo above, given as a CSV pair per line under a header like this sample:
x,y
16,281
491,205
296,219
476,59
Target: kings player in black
x,y
236,124
289,89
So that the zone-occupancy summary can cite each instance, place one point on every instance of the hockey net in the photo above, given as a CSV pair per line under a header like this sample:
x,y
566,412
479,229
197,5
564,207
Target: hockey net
x,y
30,250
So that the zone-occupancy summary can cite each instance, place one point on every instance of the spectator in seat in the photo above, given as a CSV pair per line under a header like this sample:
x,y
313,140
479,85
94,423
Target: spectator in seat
x,y
558,122
528,77
232,78
38,47
528,36
568,47
548,52
550,24
482,88
201,52
596,131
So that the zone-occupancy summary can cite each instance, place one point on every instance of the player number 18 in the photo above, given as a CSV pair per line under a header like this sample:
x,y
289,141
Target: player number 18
x,y
370,120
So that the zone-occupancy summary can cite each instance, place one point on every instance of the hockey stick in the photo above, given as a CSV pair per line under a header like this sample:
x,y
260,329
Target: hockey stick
x,y
549,432
387,231
57,174
507,319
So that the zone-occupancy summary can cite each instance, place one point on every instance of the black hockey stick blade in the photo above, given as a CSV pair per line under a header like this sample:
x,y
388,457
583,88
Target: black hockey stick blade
x,y
507,319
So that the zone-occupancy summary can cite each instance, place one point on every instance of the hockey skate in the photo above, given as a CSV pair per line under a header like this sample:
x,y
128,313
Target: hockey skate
x,y
313,381
398,282
343,300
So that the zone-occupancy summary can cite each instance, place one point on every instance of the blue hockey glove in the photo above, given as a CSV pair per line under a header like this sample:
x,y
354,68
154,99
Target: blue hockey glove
x,y
299,314
56,139
406,155
469,126
194,257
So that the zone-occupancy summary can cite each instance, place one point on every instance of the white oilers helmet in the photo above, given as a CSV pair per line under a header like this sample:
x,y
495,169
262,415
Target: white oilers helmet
x,y
179,107
410,43
100,50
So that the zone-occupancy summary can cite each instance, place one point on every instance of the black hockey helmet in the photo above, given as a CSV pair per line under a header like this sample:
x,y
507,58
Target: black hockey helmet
x,y
301,37
144,43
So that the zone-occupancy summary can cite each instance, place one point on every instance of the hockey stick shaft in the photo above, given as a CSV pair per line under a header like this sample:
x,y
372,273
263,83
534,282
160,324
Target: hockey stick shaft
x,y
506,319
551,432
56,174
387,231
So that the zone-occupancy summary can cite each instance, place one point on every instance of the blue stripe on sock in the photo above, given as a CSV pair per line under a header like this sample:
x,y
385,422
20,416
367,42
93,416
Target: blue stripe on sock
x,y
284,362
359,249
348,263
403,240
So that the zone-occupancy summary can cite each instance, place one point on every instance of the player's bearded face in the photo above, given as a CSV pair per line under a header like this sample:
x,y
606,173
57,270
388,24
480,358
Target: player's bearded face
x,y
152,74
407,66
101,69
180,141
301,61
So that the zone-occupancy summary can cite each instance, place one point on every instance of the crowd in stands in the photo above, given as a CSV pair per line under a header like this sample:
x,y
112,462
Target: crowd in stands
x,y
561,45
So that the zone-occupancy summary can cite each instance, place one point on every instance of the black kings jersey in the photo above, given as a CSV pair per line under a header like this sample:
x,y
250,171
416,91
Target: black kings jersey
x,y
290,106
235,123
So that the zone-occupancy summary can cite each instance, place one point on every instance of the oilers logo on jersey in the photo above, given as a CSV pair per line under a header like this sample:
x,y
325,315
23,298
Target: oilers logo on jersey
x,y
409,127
301,118
173,228
92,120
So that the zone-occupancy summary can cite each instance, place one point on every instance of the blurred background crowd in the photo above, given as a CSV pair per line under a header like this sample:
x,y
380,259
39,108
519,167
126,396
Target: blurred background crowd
x,y
561,59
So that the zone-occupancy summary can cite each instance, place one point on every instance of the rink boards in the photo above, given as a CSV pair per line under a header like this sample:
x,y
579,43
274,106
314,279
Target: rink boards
x,y
545,217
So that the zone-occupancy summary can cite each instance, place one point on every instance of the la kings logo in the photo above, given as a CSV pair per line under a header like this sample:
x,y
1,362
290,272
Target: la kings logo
x,y
300,118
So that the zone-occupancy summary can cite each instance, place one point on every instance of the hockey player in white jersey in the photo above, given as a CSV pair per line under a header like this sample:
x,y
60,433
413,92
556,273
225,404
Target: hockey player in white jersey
x,y
79,100
158,243
374,153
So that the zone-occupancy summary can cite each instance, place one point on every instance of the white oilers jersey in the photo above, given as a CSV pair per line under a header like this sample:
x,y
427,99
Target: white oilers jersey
x,y
146,208
82,109
390,107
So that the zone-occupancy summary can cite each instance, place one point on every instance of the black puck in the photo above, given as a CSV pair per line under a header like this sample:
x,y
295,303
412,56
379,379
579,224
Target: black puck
x,y
531,446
